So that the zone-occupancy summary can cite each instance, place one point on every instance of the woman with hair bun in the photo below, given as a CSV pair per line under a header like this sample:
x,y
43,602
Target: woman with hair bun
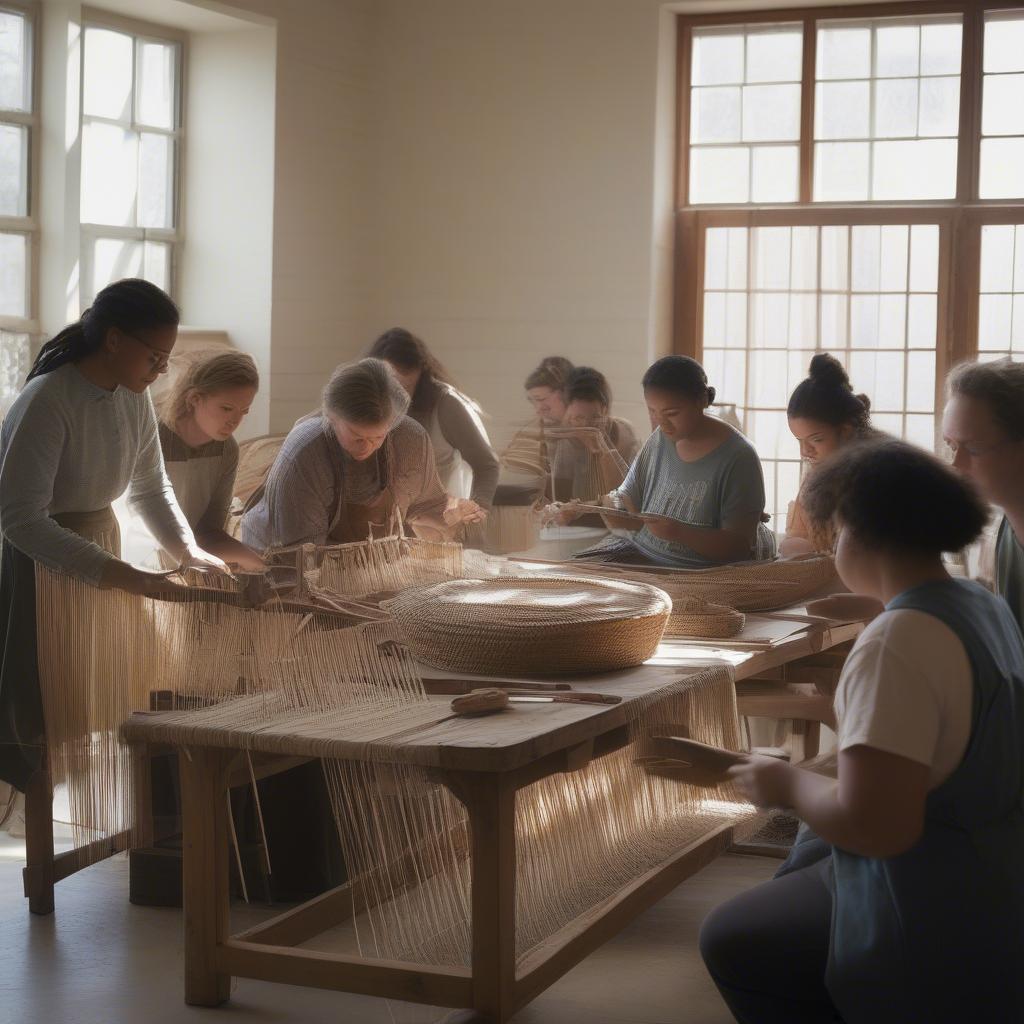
x,y
824,415
545,389
701,479
917,913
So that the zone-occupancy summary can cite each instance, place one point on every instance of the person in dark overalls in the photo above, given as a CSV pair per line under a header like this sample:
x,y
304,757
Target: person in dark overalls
x,y
917,913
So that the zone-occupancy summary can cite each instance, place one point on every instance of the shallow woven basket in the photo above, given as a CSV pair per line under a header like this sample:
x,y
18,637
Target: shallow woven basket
x,y
554,625
692,617
746,586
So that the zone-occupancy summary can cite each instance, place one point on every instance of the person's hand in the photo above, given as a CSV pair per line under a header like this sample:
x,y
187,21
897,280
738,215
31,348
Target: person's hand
x,y
590,438
561,513
847,607
247,561
663,528
764,781
118,575
462,510
196,558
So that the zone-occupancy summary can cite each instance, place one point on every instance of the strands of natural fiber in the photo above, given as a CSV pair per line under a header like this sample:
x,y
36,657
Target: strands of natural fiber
x,y
584,464
382,565
510,528
746,586
543,626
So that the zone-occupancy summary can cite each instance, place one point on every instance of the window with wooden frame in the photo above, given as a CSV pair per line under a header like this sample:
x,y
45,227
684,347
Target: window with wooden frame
x,y
131,140
850,180
19,137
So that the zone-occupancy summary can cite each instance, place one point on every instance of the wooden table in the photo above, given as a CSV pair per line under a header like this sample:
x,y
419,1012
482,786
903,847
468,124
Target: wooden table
x,y
484,767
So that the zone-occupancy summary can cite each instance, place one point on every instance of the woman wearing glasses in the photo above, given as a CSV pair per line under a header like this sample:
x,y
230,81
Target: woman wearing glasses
x,y
983,427
81,432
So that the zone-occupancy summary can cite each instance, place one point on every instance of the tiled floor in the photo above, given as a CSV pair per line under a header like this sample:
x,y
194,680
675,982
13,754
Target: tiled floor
x,y
100,960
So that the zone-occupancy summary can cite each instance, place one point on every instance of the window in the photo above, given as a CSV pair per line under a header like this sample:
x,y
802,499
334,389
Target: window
x,y
849,182
131,85
17,199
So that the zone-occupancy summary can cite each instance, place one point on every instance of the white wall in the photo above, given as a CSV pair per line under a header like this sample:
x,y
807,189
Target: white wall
x,y
225,280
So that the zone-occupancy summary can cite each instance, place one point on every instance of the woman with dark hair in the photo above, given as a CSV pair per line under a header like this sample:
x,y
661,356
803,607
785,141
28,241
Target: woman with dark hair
x,y
82,431
699,476
544,389
917,914
588,403
466,463
824,415
357,468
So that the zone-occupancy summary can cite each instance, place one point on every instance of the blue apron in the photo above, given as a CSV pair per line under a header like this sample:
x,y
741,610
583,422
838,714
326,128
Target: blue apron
x,y
936,934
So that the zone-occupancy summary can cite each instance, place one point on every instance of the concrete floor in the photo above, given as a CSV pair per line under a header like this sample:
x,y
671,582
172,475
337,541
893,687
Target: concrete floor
x,y
100,960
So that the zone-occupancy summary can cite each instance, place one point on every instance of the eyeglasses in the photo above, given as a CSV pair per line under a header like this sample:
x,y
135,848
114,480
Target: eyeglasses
x,y
158,360
975,451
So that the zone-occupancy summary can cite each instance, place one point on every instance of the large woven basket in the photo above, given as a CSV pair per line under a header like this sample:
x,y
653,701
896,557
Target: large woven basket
x,y
532,626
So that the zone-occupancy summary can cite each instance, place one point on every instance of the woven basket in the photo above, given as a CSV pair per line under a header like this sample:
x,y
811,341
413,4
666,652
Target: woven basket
x,y
692,617
532,626
746,586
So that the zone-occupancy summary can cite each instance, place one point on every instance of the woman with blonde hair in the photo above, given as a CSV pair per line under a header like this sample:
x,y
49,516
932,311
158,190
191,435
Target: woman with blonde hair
x,y
197,425
353,470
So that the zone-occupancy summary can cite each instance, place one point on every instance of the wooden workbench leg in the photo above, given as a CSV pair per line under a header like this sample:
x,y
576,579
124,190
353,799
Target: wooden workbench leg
x,y
38,874
490,802
142,780
205,872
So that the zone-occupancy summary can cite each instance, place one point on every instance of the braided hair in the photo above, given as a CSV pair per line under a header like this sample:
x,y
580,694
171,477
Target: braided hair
x,y
129,305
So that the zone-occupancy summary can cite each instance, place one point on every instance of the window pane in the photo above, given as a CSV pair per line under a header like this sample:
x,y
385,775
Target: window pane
x,y
156,85
922,321
156,264
771,113
1004,43
896,50
720,175
774,54
896,108
14,365
107,74
841,171
1001,110
13,170
114,258
15,62
924,258
715,114
924,169
776,174
156,180
13,275
717,57
842,110
939,107
1002,168
110,168
844,51
835,250
940,49
1001,304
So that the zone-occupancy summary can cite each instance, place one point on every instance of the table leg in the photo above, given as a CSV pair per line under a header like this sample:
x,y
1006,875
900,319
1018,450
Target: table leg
x,y
490,802
205,872
39,843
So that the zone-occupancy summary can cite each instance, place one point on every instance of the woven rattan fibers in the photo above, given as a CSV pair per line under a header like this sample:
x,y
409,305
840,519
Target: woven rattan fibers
x,y
553,625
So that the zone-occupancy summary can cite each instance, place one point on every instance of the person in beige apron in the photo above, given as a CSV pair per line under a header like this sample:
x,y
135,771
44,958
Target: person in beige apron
x,y
80,433
353,470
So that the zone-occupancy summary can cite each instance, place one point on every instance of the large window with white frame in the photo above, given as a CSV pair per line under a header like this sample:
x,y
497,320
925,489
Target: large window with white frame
x,y
131,139
850,181
18,226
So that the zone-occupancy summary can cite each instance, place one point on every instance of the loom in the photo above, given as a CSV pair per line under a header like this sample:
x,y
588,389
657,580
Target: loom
x,y
312,671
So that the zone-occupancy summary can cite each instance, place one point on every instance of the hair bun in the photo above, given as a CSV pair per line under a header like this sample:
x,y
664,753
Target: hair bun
x,y
827,370
865,401
711,395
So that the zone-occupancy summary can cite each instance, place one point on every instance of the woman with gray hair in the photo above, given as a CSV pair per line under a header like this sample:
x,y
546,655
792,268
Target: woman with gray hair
x,y
347,473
